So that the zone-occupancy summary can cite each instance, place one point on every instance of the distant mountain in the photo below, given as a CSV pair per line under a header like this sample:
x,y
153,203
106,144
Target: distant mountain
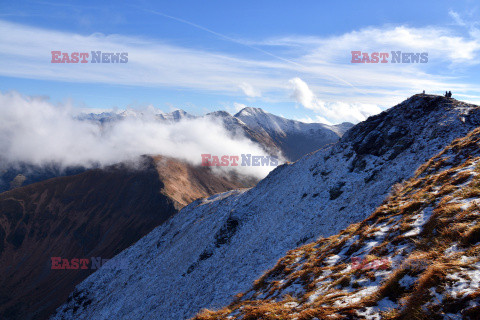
x,y
293,138
106,117
415,257
97,213
216,247
22,173
275,134
175,116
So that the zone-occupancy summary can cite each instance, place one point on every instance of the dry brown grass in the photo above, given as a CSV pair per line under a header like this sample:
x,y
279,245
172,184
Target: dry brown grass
x,y
471,236
413,303
426,261
461,178
206,314
472,190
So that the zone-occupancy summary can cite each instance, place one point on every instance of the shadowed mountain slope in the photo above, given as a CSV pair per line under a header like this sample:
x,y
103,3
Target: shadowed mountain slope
x,y
216,247
97,213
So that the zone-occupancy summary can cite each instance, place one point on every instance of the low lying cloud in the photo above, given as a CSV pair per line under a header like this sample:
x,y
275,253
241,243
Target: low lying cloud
x,y
249,90
331,112
35,131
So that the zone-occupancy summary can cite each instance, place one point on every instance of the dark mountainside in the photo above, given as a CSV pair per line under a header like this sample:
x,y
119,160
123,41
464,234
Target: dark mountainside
x,y
22,174
97,213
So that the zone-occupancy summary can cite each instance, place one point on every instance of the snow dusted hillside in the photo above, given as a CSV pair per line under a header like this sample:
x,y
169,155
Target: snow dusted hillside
x,y
416,257
216,247
293,137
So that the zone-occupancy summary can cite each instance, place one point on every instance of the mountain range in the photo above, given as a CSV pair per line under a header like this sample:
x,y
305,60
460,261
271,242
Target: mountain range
x,y
274,133
79,212
216,247
289,139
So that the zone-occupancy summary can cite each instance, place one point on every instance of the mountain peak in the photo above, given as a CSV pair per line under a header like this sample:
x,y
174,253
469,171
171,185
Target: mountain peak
x,y
179,111
250,111
418,117
439,99
175,115
219,113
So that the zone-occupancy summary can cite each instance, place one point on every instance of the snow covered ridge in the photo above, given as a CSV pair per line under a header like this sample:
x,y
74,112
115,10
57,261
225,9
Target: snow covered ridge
x,y
274,133
429,228
214,248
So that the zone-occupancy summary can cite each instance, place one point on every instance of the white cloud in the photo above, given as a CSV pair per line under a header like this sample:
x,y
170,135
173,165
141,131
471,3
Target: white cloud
x,y
442,43
318,119
238,106
332,112
456,17
303,95
26,52
249,91
36,131
323,62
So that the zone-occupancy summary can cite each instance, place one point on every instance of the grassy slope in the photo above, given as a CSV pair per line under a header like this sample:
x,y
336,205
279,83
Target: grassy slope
x,y
429,231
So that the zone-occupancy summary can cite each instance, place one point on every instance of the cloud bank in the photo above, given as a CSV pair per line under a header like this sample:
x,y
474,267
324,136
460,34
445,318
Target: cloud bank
x,y
35,131
330,112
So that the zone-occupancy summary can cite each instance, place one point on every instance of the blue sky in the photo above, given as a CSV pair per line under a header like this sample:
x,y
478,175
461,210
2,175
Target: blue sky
x,y
289,58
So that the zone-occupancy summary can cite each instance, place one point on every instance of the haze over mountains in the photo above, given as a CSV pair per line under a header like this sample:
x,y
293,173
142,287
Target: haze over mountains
x,y
216,247
293,138
43,141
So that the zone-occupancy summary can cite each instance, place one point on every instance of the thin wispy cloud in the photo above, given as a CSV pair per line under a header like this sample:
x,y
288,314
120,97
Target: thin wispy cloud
x,y
329,112
322,62
227,38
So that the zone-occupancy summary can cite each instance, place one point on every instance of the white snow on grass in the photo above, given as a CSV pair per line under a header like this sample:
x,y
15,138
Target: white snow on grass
x,y
373,313
407,281
332,260
420,220
465,282
291,304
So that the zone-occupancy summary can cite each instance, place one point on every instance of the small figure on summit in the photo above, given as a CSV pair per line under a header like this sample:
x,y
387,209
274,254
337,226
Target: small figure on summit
x,y
448,94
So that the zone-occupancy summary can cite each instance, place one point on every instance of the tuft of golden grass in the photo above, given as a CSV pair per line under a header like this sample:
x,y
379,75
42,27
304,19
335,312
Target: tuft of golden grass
x,y
413,303
471,236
